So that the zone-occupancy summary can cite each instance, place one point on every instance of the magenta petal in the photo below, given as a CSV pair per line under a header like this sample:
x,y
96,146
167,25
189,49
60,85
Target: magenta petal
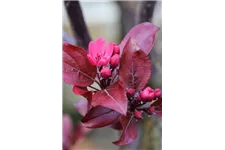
x,y
109,50
91,60
103,62
101,46
92,48
81,106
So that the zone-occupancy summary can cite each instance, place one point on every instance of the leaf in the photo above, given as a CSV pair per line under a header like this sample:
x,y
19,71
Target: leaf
x,y
144,34
76,68
99,117
116,126
135,67
79,90
113,97
129,133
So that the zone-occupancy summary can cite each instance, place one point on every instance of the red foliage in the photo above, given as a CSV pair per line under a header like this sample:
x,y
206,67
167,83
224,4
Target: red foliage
x,y
122,95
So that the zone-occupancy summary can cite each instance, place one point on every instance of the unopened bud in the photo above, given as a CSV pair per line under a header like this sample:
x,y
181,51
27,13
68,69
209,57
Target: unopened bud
x,y
157,93
147,94
130,92
103,62
115,60
116,49
138,114
105,73
151,110
138,98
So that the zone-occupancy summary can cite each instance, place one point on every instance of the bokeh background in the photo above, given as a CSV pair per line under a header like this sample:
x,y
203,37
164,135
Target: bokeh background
x,y
112,20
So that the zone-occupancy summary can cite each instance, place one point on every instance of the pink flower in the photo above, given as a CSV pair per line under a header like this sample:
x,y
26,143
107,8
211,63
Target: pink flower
x,y
147,94
99,55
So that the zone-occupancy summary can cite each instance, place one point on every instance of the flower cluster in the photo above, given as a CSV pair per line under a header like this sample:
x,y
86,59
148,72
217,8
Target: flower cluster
x,y
113,80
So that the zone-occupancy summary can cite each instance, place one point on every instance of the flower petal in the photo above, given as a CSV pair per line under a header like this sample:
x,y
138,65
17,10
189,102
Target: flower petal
x,y
101,46
103,62
91,60
109,50
92,49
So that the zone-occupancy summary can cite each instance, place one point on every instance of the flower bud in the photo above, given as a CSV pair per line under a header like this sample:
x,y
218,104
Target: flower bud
x,y
157,93
116,49
105,73
147,94
151,110
138,98
103,62
115,60
138,114
130,92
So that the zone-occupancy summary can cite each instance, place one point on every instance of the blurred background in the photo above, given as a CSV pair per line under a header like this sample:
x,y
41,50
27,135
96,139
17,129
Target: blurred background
x,y
112,20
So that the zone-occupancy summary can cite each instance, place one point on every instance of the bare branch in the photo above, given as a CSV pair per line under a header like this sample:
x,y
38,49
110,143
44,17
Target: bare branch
x,y
78,24
146,11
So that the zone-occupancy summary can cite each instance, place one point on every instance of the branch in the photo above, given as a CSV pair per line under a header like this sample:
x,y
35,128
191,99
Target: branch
x,y
146,11
78,24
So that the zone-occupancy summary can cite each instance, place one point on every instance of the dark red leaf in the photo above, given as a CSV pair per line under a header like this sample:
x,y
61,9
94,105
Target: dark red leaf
x,y
116,126
135,66
99,117
76,68
79,90
144,34
113,97
129,131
